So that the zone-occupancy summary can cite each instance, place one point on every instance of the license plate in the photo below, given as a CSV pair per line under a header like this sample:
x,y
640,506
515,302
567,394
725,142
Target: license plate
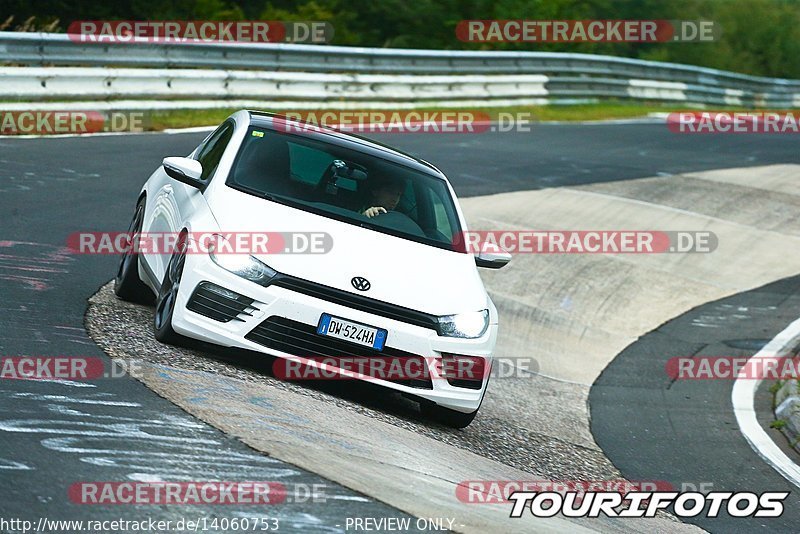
x,y
358,333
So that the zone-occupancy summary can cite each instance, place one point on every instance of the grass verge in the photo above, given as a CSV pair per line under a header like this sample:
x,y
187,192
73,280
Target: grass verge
x,y
186,118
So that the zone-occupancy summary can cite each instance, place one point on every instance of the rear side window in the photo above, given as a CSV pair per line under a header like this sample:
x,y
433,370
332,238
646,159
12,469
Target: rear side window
x,y
443,214
211,151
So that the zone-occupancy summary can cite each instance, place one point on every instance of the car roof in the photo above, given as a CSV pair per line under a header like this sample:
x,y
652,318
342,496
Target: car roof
x,y
264,119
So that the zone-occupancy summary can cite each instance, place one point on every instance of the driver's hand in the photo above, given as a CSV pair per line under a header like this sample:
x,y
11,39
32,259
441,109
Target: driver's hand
x,y
374,211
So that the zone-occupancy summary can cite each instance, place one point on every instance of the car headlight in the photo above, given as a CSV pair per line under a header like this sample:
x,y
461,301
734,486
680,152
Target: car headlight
x,y
242,265
468,325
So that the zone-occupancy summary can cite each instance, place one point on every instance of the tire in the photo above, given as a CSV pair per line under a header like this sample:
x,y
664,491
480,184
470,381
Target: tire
x,y
446,416
127,284
168,296
449,417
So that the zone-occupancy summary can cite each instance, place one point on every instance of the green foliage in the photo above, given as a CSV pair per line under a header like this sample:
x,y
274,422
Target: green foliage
x,y
778,424
759,37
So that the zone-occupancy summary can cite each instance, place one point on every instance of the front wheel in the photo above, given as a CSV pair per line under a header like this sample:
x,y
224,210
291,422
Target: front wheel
x,y
446,416
452,418
127,284
168,297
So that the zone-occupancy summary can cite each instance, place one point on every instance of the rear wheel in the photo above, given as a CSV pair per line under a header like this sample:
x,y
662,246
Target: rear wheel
x,y
168,297
127,284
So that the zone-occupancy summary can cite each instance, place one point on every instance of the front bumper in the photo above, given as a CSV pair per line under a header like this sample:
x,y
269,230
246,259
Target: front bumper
x,y
273,301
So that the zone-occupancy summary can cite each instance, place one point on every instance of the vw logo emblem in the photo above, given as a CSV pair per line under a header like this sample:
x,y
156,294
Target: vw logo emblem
x,y
360,283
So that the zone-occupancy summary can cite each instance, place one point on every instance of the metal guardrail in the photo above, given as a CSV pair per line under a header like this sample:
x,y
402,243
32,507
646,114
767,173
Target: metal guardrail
x,y
565,76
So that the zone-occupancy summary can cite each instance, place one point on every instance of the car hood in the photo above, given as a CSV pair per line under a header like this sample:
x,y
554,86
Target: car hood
x,y
402,272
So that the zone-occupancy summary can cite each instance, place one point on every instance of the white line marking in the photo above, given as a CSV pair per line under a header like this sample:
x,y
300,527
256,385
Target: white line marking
x,y
64,398
12,465
67,383
743,401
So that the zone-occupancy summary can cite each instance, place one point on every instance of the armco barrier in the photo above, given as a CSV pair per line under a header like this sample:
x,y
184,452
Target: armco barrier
x,y
51,66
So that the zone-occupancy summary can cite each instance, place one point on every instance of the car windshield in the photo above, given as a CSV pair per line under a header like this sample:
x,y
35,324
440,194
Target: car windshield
x,y
346,185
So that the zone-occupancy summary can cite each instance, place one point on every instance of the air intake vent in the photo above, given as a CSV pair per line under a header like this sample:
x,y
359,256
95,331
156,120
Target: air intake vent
x,y
218,303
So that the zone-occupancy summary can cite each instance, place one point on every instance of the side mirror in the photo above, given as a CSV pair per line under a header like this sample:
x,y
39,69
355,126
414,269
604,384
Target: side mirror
x,y
185,170
492,256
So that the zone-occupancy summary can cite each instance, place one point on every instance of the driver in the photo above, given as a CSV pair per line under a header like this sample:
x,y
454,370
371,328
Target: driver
x,y
383,196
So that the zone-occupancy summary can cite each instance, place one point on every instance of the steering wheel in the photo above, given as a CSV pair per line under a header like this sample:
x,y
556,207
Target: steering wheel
x,y
398,221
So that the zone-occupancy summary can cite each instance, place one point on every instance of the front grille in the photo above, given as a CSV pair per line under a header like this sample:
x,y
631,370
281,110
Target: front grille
x,y
218,303
300,339
357,302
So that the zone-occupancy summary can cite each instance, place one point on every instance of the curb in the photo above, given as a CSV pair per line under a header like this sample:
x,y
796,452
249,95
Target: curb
x,y
787,409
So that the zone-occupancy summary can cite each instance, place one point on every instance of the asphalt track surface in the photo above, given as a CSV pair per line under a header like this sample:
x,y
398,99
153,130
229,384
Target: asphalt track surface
x,y
52,187
55,435
653,427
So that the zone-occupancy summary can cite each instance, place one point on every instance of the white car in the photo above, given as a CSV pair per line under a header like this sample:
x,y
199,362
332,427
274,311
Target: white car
x,y
395,283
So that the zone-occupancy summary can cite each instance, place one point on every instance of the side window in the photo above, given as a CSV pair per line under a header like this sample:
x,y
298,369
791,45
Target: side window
x,y
211,152
441,216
